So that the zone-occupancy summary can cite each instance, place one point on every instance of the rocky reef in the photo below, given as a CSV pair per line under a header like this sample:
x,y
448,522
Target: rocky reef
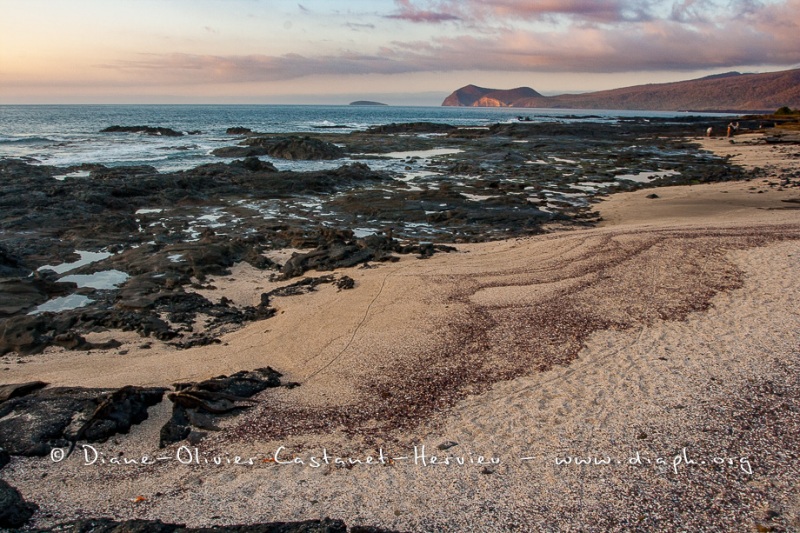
x,y
392,189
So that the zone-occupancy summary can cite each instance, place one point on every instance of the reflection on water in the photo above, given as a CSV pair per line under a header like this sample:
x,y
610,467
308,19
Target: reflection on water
x,y
64,303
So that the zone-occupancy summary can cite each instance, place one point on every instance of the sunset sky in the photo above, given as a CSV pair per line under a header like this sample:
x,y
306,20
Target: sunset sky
x,y
398,51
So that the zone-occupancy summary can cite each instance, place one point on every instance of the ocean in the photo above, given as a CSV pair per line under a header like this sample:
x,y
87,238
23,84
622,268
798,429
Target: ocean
x,y
66,135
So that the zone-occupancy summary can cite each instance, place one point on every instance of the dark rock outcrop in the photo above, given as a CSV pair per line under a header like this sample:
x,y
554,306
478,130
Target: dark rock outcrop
x,y
24,293
15,390
14,511
11,265
411,127
195,405
37,422
307,148
238,130
293,147
27,335
340,249
146,130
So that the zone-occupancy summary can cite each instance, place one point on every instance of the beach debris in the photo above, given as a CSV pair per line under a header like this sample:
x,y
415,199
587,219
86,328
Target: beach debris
x,y
652,196
195,405
35,423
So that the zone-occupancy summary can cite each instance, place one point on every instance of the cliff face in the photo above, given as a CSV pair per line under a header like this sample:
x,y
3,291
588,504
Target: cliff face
x,y
474,96
722,92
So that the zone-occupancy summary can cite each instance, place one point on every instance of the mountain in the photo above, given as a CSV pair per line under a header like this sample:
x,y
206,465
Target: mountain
x,y
730,91
474,96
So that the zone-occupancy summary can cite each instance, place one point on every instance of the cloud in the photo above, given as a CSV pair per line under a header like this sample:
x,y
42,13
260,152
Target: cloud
x,y
482,11
407,10
690,35
614,36
199,68
357,26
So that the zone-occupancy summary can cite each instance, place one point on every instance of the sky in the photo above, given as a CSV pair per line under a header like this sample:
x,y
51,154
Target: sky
x,y
401,52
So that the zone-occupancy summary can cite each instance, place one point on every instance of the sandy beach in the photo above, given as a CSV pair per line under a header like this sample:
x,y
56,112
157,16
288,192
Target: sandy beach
x,y
661,346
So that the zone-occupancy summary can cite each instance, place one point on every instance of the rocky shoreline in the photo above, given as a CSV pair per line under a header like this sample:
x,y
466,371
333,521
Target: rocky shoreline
x,y
163,235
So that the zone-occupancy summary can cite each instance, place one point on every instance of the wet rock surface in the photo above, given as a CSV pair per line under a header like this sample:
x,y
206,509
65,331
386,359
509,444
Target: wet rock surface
x,y
19,294
37,421
145,130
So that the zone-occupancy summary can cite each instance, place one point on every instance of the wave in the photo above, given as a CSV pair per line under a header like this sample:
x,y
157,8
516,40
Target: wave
x,y
5,139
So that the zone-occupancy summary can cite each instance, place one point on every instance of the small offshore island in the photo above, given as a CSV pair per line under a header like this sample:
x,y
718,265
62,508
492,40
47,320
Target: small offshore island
x,y
367,103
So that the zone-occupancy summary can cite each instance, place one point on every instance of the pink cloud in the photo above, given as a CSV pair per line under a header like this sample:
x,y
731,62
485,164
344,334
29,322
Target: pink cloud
x,y
510,10
687,38
407,10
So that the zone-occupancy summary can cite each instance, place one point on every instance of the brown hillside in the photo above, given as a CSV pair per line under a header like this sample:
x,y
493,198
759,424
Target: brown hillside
x,y
472,95
724,92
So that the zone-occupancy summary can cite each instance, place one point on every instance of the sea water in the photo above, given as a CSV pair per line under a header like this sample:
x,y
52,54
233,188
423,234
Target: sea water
x,y
67,135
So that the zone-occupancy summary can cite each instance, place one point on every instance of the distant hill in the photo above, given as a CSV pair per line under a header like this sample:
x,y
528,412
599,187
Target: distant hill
x,y
730,91
474,96
366,102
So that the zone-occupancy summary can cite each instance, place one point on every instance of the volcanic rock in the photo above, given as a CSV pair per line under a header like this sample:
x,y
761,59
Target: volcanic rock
x,y
21,294
35,423
411,127
15,390
294,147
14,511
146,130
196,404
238,130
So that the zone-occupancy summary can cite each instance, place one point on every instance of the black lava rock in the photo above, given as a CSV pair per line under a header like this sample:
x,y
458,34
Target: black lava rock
x,y
37,422
14,511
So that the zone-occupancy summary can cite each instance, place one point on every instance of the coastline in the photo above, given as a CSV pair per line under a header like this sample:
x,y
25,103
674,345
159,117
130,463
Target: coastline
x,y
666,328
